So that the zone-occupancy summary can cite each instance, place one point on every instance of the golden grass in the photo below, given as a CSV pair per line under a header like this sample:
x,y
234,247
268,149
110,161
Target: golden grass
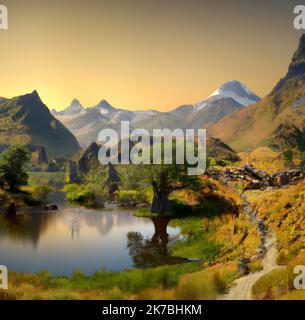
x,y
283,211
264,159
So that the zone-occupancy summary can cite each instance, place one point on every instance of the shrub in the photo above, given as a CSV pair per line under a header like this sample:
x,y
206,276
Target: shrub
x,y
135,196
38,192
78,193
127,281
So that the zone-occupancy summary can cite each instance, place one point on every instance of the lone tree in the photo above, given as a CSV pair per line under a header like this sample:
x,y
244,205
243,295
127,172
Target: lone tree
x,y
167,178
13,174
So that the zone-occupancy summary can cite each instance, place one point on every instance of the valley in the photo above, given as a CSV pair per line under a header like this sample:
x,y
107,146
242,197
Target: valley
x,y
71,228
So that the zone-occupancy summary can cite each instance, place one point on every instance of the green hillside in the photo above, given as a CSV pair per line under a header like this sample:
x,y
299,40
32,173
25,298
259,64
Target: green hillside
x,y
276,119
26,120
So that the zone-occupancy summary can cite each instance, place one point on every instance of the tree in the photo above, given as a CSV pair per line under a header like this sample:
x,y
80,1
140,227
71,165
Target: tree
x,y
167,178
13,174
161,164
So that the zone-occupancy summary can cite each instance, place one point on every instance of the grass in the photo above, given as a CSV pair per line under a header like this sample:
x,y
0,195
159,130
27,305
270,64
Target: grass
x,y
283,211
197,243
145,213
183,281
100,285
38,192
207,284
213,231
279,283
264,159
46,178
271,285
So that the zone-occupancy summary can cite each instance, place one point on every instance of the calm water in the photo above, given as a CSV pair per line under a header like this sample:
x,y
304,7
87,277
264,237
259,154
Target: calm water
x,y
79,238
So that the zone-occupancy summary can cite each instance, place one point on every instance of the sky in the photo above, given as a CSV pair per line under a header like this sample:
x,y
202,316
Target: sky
x,y
143,54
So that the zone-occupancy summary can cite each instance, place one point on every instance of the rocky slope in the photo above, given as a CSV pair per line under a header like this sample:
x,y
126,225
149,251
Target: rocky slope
x,y
278,120
255,179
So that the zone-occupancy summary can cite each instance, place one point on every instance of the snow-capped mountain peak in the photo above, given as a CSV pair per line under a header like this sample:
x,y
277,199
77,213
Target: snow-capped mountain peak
x,y
74,108
231,89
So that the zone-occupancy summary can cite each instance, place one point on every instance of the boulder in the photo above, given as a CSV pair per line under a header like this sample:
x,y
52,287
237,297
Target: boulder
x,y
51,207
257,179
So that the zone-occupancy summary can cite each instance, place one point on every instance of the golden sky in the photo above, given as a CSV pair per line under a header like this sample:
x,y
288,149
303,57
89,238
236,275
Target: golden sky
x,y
141,54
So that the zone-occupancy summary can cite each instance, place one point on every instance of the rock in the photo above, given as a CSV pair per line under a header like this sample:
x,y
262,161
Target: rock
x,y
51,207
261,226
243,267
91,153
257,179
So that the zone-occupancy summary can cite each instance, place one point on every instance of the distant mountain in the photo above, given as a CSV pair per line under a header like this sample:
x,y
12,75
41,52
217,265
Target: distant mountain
x,y
74,108
234,90
26,120
229,98
85,124
278,120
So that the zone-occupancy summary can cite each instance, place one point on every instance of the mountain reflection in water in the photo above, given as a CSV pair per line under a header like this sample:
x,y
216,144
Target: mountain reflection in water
x,y
79,238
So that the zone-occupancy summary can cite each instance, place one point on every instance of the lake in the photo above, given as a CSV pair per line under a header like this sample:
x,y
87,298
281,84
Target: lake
x,y
75,238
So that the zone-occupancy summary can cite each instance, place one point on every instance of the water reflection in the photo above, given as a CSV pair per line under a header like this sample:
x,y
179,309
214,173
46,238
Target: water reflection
x,y
79,238
28,227
152,252
101,221
24,228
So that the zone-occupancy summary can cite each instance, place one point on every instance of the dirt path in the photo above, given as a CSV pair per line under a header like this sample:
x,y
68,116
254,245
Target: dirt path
x,y
242,287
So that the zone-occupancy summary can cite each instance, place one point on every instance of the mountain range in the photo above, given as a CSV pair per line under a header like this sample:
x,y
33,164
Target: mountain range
x,y
86,123
233,115
277,121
